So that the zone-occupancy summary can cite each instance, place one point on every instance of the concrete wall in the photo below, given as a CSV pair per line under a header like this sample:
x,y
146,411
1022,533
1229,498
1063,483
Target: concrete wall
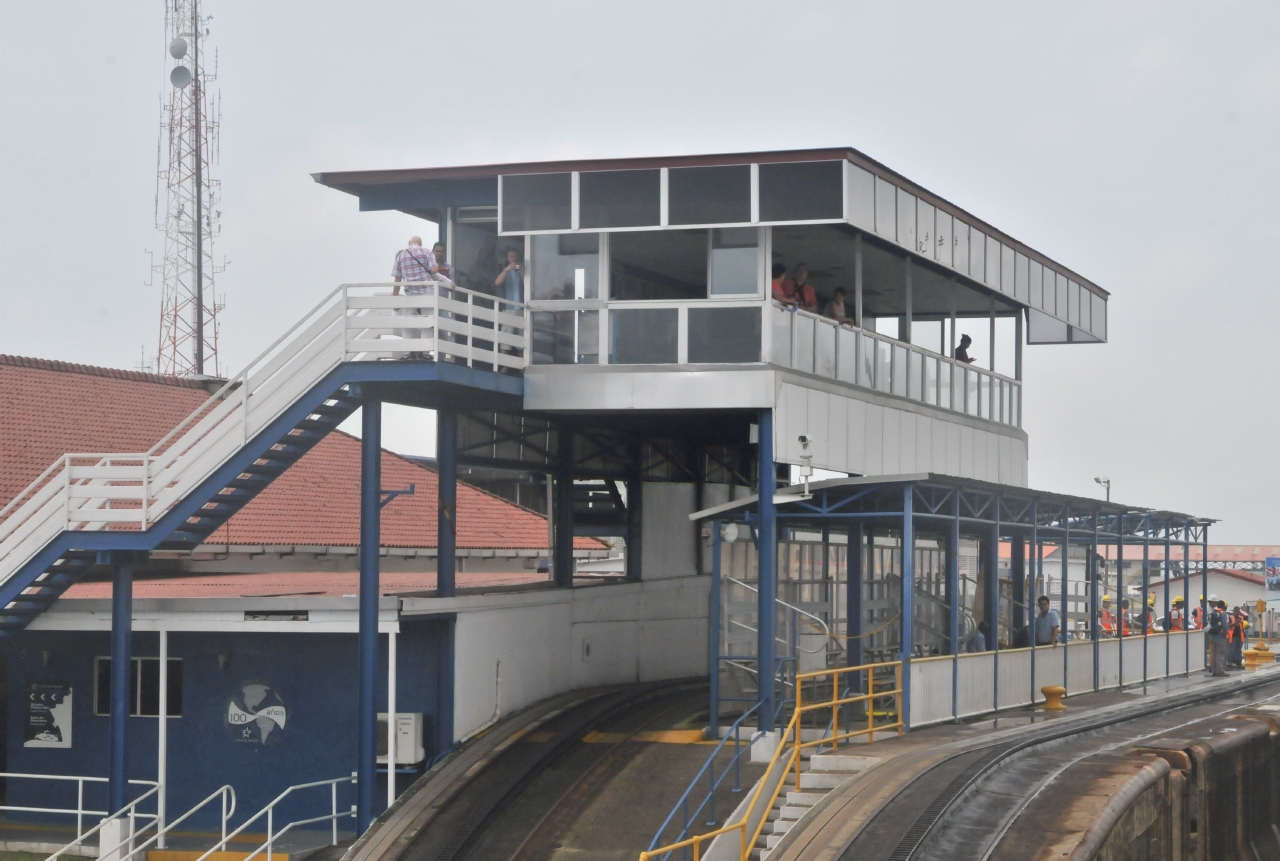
x,y
668,540
556,641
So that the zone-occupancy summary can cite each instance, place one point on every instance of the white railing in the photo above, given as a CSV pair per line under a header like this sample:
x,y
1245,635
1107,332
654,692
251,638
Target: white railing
x,y
356,322
129,813
822,346
79,811
125,849
269,812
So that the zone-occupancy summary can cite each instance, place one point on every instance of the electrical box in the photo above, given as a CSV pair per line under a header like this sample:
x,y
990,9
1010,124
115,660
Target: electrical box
x,y
408,738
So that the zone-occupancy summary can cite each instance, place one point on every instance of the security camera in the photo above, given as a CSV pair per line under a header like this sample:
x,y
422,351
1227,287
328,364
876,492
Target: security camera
x,y
805,439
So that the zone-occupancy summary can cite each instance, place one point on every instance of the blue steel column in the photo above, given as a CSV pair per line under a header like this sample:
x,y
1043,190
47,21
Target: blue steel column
x,y
992,611
1037,572
1122,589
766,612
447,502
1168,587
562,522
1094,573
121,675
908,590
1204,576
853,599
1186,593
953,600
713,631
1146,589
370,546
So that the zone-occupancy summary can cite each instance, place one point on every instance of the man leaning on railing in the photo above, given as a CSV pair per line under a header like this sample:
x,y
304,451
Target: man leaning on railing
x,y
415,264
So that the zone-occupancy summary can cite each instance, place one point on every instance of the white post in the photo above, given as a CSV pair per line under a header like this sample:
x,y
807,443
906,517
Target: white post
x,y
162,739
393,728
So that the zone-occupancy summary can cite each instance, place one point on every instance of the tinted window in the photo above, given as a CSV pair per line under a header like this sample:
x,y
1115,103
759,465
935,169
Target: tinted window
x,y
977,255
724,335
862,198
659,264
566,266
709,195
801,191
735,260
942,244
960,246
1021,287
536,201
906,220
480,254
1007,271
1099,327
1036,280
644,336
886,210
619,198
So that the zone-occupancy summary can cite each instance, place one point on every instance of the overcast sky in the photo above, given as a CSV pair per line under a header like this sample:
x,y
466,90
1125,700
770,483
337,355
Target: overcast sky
x,y
1134,143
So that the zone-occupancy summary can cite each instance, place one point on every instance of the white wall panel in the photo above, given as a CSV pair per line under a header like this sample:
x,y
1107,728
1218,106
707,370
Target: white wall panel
x,y
816,427
838,434
857,425
906,441
874,446
667,542
966,451
955,460
891,441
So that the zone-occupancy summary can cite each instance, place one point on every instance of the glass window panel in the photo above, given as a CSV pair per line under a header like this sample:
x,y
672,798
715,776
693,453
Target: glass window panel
x,y
1086,308
886,209
944,385
1006,401
709,195
553,337
977,255
1007,279
537,201
906,219
566,266
1073,303
1022,278
824,362
644,336
780,333
1015,398
1050,303
735,261
930,380
847,353
589,337
730,335
802,334
899,371
149,683
1035,284
971,392
866,368
802,191
957,388
984,396
480,255
862,198
960,246
884,359
1099,327
658,264
619,198
991,275
1061,311
915,372
925,217
942,238
1043,329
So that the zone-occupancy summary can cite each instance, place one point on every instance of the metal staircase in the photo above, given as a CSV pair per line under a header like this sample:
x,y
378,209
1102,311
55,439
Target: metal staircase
x,y
248,433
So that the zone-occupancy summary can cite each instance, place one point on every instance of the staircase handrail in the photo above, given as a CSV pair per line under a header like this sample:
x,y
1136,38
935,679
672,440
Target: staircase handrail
x,y
225,792
826,629
269,812
130,810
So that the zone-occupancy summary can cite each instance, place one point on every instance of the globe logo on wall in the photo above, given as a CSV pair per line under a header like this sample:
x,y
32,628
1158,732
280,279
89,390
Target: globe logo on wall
x,y
256,715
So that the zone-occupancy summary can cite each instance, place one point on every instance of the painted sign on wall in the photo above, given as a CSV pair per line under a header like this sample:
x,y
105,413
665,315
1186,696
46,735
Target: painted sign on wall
x,y
48,718
256,715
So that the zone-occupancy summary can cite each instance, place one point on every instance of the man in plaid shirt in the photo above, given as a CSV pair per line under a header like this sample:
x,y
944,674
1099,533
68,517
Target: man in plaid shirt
x,y
415,264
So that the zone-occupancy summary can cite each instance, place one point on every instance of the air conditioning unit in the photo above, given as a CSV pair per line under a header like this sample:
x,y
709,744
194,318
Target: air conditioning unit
x,y
408,738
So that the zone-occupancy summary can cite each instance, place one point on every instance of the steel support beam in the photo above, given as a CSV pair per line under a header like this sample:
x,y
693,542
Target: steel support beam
x,y
713,631
447,502
562,567
635,512
908,590
1065,553
953,601
121,676
853,597
370,548
766,610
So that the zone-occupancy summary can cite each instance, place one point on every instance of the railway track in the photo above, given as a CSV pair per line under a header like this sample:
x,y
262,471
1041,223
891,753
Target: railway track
x,y
998,798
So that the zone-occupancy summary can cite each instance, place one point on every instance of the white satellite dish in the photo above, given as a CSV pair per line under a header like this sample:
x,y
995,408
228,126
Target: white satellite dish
x,y
178,48
180,76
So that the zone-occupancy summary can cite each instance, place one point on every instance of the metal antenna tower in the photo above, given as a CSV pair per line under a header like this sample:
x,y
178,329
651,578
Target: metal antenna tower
x,y
188,306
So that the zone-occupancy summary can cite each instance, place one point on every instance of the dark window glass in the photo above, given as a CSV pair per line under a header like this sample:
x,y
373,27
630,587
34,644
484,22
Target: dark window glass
x,y
144,687
644,336
709,195
1043,329
724,335
480,254
619,198
660,264
566,266
102,687
1099,316
537,201
149,695
566,337
801,191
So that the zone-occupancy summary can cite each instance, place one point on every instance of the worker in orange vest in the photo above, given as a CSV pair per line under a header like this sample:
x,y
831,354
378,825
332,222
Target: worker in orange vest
x,y
1106,618
1198,616
1177,616
1126,622
1236,623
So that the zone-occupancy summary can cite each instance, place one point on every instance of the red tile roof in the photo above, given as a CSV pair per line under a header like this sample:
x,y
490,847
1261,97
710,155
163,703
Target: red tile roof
x,y
1217,552
317,501
330,584
51,408
48,409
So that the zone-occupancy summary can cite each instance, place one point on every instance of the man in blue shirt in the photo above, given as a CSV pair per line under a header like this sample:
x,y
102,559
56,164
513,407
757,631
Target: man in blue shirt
x,y
1047,624
511,279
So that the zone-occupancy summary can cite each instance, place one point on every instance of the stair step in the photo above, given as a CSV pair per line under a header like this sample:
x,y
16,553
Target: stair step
x,y
823,779
842,762
805,798
793,812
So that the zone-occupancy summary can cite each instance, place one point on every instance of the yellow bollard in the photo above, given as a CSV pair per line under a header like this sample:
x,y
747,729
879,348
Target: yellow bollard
x,y
1053,695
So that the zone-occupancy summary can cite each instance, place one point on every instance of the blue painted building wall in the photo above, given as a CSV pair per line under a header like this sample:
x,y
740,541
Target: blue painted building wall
x,y
313,674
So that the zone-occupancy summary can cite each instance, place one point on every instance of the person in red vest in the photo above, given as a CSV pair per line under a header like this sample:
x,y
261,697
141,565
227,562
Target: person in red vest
x,y
1106,618
1236,623
1126,623
1200,614
1177,615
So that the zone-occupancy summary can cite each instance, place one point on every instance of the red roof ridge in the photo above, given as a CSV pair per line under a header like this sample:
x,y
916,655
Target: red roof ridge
x,y
96,371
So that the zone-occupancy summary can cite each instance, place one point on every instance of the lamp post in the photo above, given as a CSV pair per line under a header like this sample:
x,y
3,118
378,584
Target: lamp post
x,y
1105,482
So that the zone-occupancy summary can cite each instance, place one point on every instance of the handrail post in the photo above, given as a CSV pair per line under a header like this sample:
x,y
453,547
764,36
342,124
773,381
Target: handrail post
x,y
333,792
271,819
79,808
224,814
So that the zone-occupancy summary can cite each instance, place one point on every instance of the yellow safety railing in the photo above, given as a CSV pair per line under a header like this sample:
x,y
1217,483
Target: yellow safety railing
x,y
790,741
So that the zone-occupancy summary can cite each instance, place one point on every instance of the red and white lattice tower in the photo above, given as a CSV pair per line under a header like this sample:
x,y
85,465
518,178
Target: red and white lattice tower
x,y
189,218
